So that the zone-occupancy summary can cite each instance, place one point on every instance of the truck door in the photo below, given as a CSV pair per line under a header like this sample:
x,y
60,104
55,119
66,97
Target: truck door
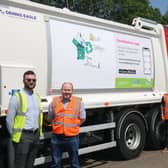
x,y
10,81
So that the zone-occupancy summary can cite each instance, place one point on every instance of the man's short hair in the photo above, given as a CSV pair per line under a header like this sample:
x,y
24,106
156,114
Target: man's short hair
x,y
29,72
70,83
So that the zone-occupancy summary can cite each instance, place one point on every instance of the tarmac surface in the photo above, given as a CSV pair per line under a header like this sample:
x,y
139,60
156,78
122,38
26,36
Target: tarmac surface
x,y
109,159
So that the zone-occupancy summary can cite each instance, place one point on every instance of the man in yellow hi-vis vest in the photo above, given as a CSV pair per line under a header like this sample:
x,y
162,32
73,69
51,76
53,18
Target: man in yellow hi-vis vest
x,y
24,122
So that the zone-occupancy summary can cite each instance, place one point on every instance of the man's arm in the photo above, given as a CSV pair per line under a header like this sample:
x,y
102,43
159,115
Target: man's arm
x,y
12,109
50,113
82,114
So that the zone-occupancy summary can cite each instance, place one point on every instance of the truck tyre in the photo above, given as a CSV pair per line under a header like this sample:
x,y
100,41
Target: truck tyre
x,y
132,136
156,136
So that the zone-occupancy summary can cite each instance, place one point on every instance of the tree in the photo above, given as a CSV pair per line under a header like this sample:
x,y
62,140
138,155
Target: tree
x,y
165,18
117,10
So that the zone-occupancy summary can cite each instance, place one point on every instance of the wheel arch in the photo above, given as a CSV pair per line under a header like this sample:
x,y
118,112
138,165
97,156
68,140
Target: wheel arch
x,y
156,134
156,111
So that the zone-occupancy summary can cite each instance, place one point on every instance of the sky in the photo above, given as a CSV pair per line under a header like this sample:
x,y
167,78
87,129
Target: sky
x,y
161,4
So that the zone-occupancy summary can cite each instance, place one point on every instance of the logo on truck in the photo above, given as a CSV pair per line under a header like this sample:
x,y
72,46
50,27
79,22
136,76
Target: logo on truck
x,y
6,11
83,47
86,49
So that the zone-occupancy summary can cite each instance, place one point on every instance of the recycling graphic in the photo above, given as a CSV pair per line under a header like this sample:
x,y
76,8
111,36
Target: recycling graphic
x,y
86,49
83,47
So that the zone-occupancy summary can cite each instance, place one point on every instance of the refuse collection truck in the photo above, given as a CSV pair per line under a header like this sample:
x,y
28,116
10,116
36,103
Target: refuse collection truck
x,y
120,71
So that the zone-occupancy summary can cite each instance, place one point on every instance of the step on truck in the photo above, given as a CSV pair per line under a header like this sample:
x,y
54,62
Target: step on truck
x,y
119,70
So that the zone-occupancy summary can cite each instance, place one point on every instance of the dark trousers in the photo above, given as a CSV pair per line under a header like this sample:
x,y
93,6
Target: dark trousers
x,y
26,150
60,144
11,153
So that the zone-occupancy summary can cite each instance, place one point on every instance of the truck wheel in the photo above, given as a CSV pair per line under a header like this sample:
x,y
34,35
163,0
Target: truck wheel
x,y
132,136
156,136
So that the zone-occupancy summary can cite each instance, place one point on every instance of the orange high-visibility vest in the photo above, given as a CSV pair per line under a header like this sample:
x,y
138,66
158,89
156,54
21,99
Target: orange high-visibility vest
x,y
66,121
165,107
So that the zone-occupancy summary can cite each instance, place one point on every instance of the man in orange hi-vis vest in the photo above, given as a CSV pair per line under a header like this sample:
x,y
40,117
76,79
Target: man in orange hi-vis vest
x,y
165,119
67,114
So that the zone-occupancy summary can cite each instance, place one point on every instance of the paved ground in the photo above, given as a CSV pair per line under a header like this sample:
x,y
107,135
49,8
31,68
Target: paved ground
x,y
109,159
148,159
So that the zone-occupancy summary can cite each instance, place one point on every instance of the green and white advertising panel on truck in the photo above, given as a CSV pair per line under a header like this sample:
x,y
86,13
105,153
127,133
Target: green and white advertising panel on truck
x,y
118,60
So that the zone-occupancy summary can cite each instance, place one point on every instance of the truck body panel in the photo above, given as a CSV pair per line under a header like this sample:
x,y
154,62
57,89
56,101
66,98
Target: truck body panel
x,y
108,63
166,37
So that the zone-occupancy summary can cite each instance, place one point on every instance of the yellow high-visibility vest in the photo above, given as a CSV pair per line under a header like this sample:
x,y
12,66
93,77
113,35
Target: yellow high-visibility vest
x,y
20,117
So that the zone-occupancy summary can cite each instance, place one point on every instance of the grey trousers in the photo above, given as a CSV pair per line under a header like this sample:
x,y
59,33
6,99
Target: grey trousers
x,y
26,150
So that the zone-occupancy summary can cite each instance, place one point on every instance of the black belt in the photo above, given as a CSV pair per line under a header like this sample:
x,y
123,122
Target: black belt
x,y
30,131
64,136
